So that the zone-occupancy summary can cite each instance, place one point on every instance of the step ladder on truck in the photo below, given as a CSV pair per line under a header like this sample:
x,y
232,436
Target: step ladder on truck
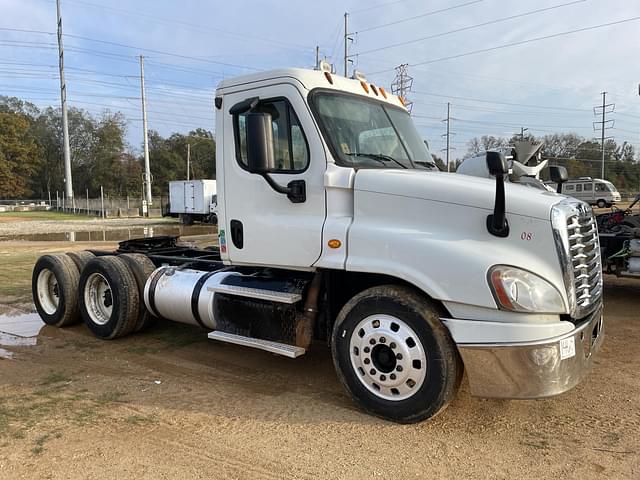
x,y
336,227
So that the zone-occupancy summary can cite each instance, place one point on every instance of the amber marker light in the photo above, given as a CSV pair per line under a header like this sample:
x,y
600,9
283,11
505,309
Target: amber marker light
x,y
364,86
383,92
498,286
334,243
327,75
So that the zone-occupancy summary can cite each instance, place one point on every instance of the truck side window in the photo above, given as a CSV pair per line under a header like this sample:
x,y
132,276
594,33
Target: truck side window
x,y
291,151
568,187
578,187
588,187
599,187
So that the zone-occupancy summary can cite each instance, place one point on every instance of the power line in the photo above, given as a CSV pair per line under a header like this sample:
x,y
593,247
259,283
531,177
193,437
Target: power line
x,y
498,102
469,27
415,17
521,42
124,45
378,5
174,22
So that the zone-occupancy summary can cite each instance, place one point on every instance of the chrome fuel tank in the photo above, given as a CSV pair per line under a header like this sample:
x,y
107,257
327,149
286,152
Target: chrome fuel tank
x,y
183,295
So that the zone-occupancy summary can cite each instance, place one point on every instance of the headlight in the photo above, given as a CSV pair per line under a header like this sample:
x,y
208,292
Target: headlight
x,y
522,291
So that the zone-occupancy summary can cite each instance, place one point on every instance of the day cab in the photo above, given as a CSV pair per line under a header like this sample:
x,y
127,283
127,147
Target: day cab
x,y
335,225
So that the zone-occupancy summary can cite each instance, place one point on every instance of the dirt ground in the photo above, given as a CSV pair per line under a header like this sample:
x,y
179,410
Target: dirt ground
x,y
168,403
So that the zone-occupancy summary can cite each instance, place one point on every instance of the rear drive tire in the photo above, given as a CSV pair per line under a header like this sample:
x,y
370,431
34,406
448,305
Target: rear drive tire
x,y
142,268
394,356
81,258
109,298
54,286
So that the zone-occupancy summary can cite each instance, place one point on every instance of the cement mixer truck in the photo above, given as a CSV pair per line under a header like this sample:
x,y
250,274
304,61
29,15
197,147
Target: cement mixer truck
x,y
335,227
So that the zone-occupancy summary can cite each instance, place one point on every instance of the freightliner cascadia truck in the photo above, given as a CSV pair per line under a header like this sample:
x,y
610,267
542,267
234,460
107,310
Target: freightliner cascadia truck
x,y
336,227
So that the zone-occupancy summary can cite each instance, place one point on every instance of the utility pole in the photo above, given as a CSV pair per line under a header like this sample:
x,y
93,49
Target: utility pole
x,y
317,57
68,183
522,130
188,159
447,135
604,124
147,169
402,84
346,40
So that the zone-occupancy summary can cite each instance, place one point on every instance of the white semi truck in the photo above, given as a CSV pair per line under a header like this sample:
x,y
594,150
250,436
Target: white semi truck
x,y
335,226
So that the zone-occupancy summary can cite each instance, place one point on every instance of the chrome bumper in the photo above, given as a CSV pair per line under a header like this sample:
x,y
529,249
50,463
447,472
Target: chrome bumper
x,y
533,369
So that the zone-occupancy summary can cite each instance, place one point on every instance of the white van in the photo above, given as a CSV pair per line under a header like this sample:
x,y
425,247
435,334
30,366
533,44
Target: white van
x,y
594,191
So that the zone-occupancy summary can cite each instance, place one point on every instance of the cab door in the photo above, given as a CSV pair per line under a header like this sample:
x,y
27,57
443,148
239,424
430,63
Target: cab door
x,y
264,227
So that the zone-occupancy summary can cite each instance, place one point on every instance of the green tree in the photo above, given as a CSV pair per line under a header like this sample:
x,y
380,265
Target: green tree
x,y
19,155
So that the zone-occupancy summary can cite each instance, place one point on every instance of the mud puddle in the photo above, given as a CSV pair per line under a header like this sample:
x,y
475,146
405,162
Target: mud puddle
x,y
115,234
18,329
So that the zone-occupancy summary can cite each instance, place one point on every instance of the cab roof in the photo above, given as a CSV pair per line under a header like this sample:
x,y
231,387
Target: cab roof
x,y
309,80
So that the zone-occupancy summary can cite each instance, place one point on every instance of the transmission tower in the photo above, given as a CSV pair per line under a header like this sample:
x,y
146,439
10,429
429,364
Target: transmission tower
x,y
604,124
402,84
447,136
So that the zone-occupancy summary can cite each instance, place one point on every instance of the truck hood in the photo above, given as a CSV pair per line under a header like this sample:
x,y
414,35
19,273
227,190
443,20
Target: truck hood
x,y
458,189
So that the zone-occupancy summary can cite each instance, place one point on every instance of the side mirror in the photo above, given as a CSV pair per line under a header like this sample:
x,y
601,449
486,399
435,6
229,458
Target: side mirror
x,y
558,176
497,164
497,223
260,155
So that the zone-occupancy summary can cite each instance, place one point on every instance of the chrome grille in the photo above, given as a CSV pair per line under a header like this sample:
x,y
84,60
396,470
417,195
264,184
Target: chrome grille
x,y
584,256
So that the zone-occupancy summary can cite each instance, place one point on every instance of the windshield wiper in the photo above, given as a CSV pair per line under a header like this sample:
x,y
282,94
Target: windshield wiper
x,y
426,163
377,156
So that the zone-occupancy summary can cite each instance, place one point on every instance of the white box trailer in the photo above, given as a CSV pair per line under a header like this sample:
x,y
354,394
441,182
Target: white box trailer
x,y
193,200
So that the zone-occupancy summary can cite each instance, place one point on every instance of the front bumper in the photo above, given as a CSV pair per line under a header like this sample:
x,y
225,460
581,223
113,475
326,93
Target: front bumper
x,y
533,369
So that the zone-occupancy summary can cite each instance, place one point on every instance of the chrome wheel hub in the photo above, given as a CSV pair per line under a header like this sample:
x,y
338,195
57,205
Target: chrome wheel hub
x,y
48,291
98,299
388,357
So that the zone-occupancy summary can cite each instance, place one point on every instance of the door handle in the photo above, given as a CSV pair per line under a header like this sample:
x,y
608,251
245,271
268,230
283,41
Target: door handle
x,y
237,234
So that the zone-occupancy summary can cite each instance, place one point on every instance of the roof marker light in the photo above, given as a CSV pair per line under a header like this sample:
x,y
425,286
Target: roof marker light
x,y
328,77
364,86
375,90
383,92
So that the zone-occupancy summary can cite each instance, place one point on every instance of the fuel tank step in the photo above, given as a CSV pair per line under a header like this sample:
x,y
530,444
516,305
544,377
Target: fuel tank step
x,y
267,345
273,296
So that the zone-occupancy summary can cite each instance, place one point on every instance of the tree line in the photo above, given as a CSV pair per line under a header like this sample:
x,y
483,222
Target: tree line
x,y
31,153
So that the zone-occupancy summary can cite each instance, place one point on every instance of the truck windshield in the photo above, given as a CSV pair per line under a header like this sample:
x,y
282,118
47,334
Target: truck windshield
x,y
363,133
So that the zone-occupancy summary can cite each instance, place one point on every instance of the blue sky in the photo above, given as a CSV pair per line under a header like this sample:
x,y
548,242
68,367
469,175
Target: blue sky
x,y
548,85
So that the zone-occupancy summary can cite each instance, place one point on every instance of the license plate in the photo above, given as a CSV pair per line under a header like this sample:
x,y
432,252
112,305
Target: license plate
x,y
567,348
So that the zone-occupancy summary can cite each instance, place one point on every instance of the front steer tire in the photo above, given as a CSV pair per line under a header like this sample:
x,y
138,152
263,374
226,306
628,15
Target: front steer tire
x,y
54,286
109,299
376,326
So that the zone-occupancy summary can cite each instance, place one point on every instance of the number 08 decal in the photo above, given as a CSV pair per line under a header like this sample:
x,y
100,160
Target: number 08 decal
x,y
527,236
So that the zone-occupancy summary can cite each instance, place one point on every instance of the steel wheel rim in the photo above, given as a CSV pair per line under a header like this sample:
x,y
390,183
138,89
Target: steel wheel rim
x,y
48,291
98,299
372,341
